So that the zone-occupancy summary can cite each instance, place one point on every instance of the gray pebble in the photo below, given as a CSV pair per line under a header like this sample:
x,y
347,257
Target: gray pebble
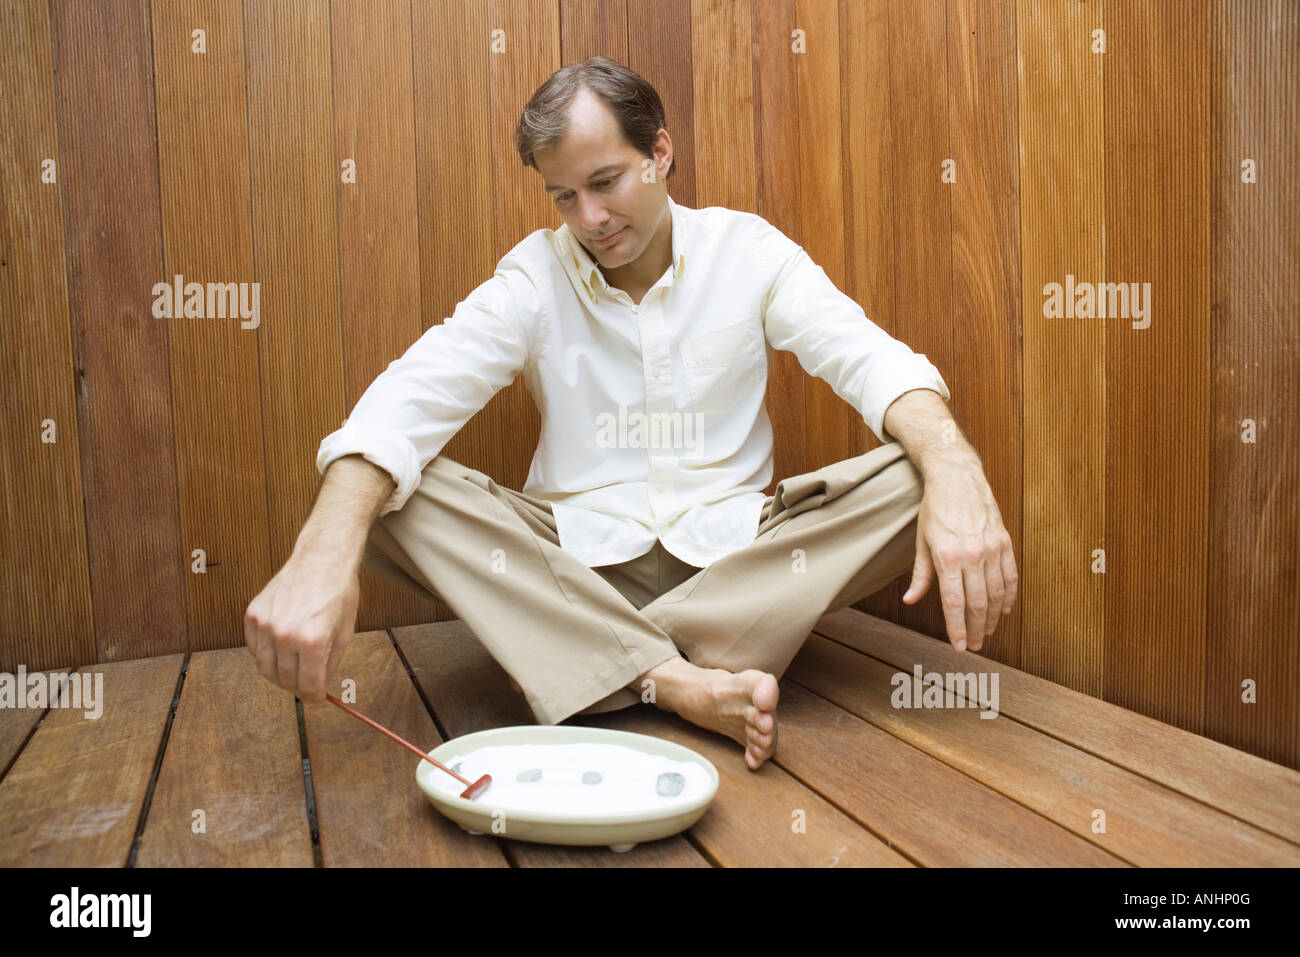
x,y
591,777
534,775
670,784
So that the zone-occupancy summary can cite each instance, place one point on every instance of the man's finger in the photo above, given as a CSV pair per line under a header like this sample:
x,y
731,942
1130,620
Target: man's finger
x,y
266,654
311,672
1010,578
977,603
336,653
922,572
339,643
993,589
286,669
996,592
250,634
952,599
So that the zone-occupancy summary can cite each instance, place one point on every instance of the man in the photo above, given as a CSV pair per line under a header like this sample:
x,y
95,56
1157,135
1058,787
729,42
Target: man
x,y
641,560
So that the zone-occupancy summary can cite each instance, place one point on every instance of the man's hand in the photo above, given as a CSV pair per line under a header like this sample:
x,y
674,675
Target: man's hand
x,y
299,624
960,535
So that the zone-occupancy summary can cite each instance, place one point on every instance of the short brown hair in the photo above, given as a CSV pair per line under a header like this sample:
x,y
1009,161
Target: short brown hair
x,y
631,99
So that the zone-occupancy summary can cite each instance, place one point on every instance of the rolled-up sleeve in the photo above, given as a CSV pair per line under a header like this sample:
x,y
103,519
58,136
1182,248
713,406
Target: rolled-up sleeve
x,y
421,400
832,337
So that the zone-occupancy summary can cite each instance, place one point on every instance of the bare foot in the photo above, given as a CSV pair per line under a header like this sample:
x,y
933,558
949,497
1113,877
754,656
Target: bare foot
x,y
741,705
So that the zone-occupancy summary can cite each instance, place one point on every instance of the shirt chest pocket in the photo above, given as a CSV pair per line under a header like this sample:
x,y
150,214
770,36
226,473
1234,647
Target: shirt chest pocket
x,y
725,365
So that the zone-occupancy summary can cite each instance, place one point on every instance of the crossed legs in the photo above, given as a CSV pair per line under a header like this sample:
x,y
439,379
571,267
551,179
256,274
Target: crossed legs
x,y
577,639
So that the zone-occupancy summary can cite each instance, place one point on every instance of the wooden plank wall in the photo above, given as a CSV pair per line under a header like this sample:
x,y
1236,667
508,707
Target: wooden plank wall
x,y
44,579
1252,601
1156,533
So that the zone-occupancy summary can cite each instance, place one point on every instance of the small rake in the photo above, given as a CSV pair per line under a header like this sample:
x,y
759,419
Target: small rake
x,y
471,792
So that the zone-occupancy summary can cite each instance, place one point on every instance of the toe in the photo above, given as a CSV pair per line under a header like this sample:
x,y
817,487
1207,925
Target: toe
x,y
767,693
759,719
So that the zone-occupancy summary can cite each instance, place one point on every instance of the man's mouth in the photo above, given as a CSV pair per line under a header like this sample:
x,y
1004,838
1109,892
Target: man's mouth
x,y
609,240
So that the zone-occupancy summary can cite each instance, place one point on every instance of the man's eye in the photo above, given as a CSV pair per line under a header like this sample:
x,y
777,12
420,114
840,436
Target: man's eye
x,y
564,197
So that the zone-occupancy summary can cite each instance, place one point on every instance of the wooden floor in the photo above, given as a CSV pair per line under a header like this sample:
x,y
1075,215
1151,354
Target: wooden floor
x,y
209,764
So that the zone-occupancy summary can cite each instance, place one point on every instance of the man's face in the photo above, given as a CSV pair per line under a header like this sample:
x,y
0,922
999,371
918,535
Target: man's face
x,y
597,181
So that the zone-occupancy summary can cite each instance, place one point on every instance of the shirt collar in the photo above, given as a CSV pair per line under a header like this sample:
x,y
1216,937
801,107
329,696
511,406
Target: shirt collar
x,y
589,272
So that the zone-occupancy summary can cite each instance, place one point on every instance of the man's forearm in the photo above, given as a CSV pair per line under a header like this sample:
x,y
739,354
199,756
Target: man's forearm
x,y
921,423
347,504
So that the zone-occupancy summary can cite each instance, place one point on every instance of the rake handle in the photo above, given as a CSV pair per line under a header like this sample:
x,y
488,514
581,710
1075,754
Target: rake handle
x,y
398,738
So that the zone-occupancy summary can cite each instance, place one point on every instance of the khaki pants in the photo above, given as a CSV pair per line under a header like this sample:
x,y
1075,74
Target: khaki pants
x,y
574,637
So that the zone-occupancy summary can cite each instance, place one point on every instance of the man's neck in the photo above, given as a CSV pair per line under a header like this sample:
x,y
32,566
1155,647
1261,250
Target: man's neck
x,y
637,277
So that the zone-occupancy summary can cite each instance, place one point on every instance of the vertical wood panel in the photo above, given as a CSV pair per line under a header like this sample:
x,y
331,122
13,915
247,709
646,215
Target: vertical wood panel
x,y
295,242
454,201
982,106
1253,601
593,28
1062,225
532,32
660,49
1157,395
44,580
920,223
868,131
721,41
207,238
453,197
830,427
776,136
109,172
378,239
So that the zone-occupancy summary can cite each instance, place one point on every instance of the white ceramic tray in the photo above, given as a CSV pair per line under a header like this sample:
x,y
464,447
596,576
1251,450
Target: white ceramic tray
x,y
617,804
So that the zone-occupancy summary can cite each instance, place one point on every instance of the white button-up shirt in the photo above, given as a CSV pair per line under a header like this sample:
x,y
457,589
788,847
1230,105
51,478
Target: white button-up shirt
x,y
653,416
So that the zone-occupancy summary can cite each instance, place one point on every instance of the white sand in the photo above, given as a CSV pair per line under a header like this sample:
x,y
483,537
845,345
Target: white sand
x,y
628,782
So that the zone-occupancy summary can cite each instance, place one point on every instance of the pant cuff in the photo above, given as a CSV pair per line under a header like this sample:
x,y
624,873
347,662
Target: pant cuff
x,y
569,702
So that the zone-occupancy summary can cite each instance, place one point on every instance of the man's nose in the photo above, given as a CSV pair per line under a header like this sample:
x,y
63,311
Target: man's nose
x,y
592,214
